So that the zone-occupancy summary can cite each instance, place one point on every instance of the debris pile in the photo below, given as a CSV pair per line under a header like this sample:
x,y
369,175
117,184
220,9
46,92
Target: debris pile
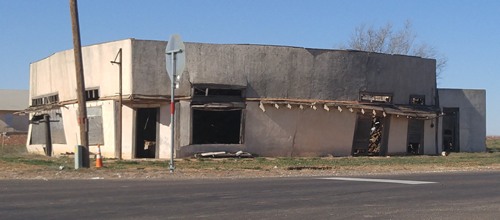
x,y
224,154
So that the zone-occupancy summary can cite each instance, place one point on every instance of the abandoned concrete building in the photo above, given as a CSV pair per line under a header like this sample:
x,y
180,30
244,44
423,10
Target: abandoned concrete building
x,y
275,101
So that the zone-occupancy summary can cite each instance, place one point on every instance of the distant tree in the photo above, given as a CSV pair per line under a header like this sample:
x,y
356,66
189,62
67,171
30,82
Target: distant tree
x,y
387,40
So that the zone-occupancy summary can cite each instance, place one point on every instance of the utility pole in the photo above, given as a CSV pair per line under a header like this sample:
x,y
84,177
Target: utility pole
x,y
80,84
118,146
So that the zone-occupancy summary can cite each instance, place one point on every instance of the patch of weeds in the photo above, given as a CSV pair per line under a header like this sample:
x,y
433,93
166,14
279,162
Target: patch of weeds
x,y
252,168
260,159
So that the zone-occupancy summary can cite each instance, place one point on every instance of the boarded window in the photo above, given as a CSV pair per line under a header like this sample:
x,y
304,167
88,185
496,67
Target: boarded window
x,y
94,115
56,128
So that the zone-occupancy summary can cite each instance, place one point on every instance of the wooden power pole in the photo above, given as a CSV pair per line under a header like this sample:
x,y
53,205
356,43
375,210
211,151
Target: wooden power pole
x,y
80,85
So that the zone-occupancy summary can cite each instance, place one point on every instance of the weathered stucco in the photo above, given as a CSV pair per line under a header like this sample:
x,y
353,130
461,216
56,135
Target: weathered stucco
x,y
472,122
56,73
298,132
264,72
398,134
299,73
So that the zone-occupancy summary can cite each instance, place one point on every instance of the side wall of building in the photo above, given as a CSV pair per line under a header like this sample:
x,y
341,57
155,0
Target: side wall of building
x,y
72,132
472,116
56,73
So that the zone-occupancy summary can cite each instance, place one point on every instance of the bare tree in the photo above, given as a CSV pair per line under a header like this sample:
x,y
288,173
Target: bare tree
x,y
385,40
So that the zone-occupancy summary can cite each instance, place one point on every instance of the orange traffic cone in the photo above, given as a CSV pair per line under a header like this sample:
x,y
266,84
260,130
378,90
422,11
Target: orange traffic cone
x,y
98,158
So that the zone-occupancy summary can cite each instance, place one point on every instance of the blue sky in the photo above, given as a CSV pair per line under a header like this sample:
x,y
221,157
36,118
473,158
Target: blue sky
x,y
466,32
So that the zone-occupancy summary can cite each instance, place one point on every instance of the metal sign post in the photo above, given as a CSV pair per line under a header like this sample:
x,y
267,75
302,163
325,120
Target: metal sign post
x,y
175,64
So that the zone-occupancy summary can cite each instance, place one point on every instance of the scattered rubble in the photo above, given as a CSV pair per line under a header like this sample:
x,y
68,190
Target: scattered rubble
x,y
224,154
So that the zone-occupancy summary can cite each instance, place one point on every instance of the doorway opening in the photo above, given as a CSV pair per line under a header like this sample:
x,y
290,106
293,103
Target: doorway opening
x,y
146,132
369,136
216,126
451,133
415,137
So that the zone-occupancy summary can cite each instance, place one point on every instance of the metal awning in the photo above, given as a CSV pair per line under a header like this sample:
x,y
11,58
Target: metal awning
x,y
410,111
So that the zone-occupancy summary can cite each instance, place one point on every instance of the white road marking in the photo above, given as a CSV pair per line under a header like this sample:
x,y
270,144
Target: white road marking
x,y
411,182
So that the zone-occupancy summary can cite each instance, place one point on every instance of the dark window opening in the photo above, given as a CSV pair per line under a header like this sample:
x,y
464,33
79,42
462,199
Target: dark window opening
x,y
375,97
451,131
417,100
206,91
415,137
145,132
45,100
92,94
216,126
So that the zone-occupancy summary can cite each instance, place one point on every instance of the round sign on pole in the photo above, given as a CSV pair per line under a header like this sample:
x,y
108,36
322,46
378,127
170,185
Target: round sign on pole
x,y
175,48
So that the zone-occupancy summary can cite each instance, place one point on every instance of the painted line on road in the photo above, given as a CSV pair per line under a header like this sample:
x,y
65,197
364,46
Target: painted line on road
x,y
411,182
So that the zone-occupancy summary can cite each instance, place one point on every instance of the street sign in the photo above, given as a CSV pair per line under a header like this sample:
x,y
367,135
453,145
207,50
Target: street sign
x,y
175,50
176,61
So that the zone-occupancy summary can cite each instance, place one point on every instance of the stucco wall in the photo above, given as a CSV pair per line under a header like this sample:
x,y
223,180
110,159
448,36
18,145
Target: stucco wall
x,y
472,114
164,137
398,135
291,72
72,132
430,137
128,130
56,73
296,132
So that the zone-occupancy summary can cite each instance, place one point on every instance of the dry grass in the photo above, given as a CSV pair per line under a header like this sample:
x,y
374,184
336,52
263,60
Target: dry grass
x,y
16,163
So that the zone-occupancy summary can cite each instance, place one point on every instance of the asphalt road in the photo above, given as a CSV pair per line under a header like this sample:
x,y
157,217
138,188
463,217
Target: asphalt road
x,y
447,196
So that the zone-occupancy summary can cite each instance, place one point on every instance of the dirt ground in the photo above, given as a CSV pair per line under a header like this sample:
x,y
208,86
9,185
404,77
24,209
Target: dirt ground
x,y
23,171
15,165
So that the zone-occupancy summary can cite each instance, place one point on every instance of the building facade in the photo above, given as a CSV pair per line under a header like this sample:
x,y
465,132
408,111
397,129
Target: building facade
x,y
13,126
266,100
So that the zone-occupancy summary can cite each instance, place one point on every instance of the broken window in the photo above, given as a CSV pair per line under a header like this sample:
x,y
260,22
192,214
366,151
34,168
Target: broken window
x,y
375,97
92,94
217,126
417,99
45,100
205,91
217,114
203,94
